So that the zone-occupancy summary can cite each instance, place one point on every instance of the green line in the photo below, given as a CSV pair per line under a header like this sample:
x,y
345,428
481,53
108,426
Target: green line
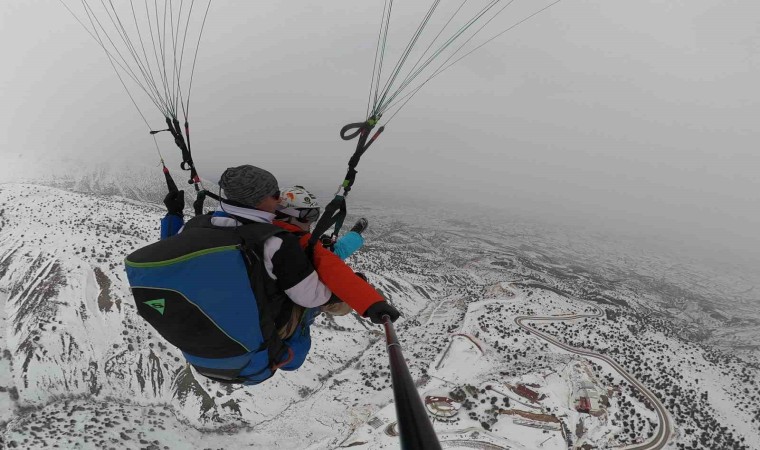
x,y
199,309
181,258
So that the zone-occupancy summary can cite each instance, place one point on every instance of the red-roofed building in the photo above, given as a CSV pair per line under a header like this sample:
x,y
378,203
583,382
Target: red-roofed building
x,y
584,405
528,393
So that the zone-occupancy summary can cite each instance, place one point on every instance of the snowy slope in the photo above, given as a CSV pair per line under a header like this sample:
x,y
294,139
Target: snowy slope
x,y
70,330
79,367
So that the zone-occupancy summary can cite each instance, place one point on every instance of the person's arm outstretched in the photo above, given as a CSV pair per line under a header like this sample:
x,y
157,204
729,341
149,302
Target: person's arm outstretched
x,y
351,288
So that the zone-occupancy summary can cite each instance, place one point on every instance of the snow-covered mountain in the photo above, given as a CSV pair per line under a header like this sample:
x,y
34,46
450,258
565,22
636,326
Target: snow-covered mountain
x,y
482,305
122,177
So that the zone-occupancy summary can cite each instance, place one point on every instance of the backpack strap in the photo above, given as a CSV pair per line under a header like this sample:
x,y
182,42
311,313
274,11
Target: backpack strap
x,y
270,298
202,221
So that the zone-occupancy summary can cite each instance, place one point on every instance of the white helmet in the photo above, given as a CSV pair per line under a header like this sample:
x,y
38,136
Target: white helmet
x,y
297,202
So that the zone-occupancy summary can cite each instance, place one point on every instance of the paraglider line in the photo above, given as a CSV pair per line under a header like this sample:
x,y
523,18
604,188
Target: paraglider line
x,y
431,43
128,69
182,56
195,58
374,64
448,43
152,79
128,43
397,68
382,52
443,47
442,69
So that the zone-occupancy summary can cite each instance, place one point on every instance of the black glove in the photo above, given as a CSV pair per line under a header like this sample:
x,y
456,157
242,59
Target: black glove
x,y
376,311
327,241
175,202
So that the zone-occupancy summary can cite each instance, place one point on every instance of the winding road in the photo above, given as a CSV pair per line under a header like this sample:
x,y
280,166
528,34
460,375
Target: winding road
x,y
664,430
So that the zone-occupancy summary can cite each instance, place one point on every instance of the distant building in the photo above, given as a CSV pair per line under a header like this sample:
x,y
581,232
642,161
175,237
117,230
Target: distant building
x,y
375,422
583,405
442,408
588,398
550,426
527,392
566,434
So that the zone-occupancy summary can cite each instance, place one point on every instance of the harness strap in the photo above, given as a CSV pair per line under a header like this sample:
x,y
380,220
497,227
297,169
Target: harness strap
x,y
335,214
201,197
179,140
187,161
184,146
336,211
225,200
269,297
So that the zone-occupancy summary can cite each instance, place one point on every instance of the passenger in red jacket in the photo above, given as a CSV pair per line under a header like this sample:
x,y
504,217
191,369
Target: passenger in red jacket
x,y
298,210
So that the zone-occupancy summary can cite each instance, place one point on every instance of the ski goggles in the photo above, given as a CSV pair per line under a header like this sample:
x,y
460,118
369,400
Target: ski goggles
x,y
302,214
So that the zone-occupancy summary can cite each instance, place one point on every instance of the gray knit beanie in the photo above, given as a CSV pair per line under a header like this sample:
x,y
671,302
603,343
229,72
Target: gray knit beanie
x,y
248,184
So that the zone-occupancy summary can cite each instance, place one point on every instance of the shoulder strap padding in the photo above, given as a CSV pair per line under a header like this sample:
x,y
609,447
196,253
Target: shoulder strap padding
x,y
272,301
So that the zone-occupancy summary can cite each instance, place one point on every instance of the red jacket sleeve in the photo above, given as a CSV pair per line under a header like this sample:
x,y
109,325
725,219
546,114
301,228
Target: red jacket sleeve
x,y
342,280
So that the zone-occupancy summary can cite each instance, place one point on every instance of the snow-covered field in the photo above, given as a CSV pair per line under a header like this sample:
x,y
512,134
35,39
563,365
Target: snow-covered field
x,y
79,368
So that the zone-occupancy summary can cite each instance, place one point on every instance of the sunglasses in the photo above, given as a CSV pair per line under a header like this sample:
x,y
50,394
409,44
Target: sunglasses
x,y
276,195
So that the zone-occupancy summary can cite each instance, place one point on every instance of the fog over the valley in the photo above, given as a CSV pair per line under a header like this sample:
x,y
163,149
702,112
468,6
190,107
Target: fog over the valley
x,y
638,116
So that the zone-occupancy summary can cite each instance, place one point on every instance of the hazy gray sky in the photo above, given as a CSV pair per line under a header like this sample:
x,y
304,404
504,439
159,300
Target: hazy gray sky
x,y
619,113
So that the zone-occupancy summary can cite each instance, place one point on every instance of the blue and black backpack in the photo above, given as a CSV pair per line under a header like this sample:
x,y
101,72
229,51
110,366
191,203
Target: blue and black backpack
x,y
206,291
